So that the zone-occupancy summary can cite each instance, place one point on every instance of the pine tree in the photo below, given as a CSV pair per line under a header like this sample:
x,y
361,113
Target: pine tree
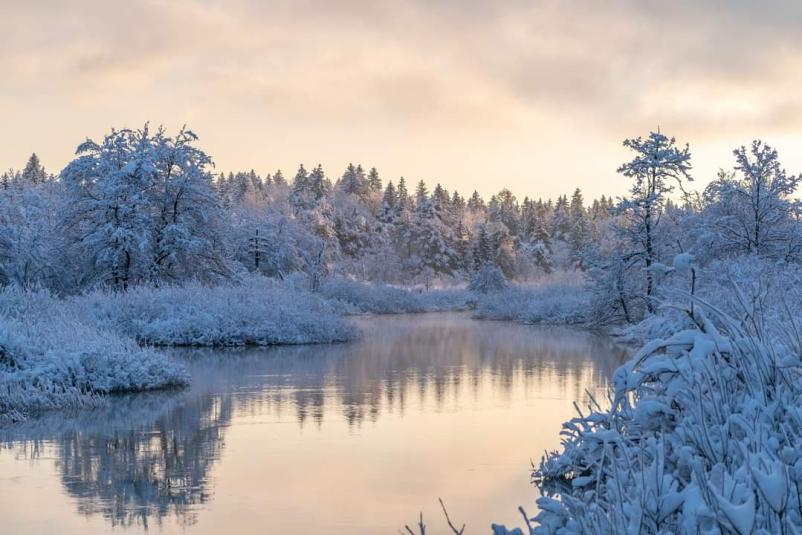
x,y
34,172
579,232
503,208
560,219
374,182
429,241
656,164
421,193
475,203
389,207
483,248
301,197
354,181
404,201
319,185
457,202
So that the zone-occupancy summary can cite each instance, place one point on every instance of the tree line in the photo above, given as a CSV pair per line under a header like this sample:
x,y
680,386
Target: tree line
x,y
142,206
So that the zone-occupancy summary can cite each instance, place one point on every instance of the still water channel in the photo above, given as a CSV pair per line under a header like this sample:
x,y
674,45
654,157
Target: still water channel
x,y
348,438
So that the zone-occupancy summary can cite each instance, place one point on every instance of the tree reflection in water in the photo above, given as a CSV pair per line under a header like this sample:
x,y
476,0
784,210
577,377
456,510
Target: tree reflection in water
x,y
145,457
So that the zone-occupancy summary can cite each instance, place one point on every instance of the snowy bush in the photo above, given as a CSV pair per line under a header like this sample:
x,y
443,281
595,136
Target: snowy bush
x,y
702,435
767,287
51,359
556,300
488,279
358,297
258,311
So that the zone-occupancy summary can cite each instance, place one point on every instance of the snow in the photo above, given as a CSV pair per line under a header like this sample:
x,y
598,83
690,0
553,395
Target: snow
x,y
560,299
145,248
683,262
354,297
60,353
701,433
489,278
49,358
257,311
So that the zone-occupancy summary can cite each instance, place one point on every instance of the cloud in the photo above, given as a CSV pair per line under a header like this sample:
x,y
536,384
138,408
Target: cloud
x,y
508,76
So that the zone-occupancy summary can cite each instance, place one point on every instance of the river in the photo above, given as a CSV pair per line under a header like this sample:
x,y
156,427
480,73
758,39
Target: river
x,y
347,438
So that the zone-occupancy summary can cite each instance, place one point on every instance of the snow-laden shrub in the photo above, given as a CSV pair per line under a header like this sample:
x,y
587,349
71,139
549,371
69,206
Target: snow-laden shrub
x,y
556,300
488,279
702,436
359,297
50,358
766,287
259,311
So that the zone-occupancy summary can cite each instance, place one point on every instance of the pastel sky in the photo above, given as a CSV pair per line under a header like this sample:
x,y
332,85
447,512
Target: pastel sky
x,y
533,95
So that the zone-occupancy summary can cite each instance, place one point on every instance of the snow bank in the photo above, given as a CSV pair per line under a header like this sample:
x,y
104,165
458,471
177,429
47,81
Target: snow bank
x,y
259,311
701,435
557,300
50,358
358,297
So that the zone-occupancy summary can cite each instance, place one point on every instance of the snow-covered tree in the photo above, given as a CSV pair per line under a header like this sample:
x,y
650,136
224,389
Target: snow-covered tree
x,y
658,165
488,279
34,172
143,207
751,210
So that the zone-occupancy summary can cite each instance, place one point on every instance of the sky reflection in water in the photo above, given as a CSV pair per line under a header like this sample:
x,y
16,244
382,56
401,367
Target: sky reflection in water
x,y
351,438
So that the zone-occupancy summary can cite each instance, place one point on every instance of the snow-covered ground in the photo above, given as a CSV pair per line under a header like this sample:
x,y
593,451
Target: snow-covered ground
x,y
60,353
258,311
51,358
357,297
560,299
701,429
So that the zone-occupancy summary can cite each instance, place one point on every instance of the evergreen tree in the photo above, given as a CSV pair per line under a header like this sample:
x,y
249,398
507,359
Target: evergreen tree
x,y
354,181
421,193
319,185
374,182
34,172
301,197
475,203
389,208
657,163
404,201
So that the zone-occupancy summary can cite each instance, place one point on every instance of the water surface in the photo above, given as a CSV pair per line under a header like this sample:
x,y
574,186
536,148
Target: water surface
x,y
349,438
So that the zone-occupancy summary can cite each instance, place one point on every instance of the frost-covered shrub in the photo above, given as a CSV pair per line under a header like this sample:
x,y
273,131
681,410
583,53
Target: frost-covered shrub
x,y
701,436
488,279
259,311
50,358
767,288
556,300
359,297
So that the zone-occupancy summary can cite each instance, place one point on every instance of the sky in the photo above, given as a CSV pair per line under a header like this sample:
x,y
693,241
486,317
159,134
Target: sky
x,y
536,96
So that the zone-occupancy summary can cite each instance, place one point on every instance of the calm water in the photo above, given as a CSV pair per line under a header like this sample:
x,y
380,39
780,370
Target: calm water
x,y
351,438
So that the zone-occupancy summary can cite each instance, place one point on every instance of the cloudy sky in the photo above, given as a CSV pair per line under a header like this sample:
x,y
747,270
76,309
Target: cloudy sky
x,y
534,95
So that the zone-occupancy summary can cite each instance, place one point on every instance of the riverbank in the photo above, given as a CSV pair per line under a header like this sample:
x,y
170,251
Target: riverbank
x,y
52,359
70,352
700,429
264,431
